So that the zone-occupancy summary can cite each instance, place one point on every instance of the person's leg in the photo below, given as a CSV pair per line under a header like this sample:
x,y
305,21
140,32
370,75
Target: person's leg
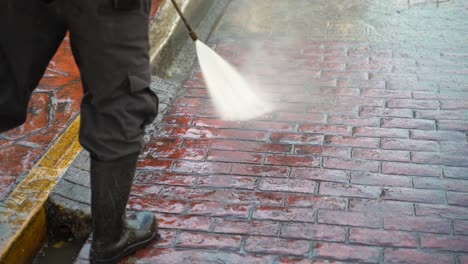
x,y
30,34
111,47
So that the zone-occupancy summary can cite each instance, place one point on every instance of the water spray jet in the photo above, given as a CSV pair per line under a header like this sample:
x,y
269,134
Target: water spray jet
x,y
232,96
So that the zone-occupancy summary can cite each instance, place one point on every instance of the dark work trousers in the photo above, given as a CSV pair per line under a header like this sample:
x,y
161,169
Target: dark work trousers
x,y
109,40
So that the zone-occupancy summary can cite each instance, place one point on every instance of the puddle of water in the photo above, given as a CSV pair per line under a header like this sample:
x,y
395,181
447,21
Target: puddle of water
x,y
63,252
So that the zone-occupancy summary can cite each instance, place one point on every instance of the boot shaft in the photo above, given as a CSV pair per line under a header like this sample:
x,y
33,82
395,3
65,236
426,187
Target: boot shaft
x,y
111,182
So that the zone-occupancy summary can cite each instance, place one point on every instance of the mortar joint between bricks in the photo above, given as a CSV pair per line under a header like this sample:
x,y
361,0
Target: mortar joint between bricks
x,y
327,121
283,200
269,138
187,207
213,223
172,166
347,235
242,245
452,227
257,183
311,250
196,182
418,240
175,239
206,154
276,260
381,256
230,169
382,193
296,128
190,123
280,228
251,211
288,174
182,143
316,216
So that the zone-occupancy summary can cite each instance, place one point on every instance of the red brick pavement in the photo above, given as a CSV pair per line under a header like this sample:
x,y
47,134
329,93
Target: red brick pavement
x,y
377,174
54,104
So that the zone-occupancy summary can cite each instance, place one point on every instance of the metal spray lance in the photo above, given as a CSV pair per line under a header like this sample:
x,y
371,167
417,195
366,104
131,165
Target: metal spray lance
x,y
192,33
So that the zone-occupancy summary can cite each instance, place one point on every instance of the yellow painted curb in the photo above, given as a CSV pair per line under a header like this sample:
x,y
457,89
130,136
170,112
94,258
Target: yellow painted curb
x,y
22,214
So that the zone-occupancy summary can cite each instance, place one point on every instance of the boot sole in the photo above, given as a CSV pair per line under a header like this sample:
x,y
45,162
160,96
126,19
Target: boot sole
x,y
128,251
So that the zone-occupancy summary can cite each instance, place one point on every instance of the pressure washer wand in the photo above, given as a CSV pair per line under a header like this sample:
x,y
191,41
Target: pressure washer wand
x,y
192,33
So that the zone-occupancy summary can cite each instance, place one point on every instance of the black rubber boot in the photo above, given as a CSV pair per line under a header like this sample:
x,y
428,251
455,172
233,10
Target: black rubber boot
x,y
115,235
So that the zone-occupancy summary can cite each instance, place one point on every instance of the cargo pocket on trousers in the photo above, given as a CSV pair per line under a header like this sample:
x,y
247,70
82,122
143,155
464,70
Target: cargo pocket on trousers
x,y
145,102
139,80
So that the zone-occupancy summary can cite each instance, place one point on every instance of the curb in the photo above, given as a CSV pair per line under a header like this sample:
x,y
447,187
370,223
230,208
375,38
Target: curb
x,y
24,230
169,34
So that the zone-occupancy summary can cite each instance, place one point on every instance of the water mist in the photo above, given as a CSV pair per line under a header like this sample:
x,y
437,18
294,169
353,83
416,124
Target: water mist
x,y
232,96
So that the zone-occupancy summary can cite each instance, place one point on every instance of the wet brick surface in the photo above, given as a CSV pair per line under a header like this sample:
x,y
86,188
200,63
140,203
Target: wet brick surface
x,y
54,104
363,161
